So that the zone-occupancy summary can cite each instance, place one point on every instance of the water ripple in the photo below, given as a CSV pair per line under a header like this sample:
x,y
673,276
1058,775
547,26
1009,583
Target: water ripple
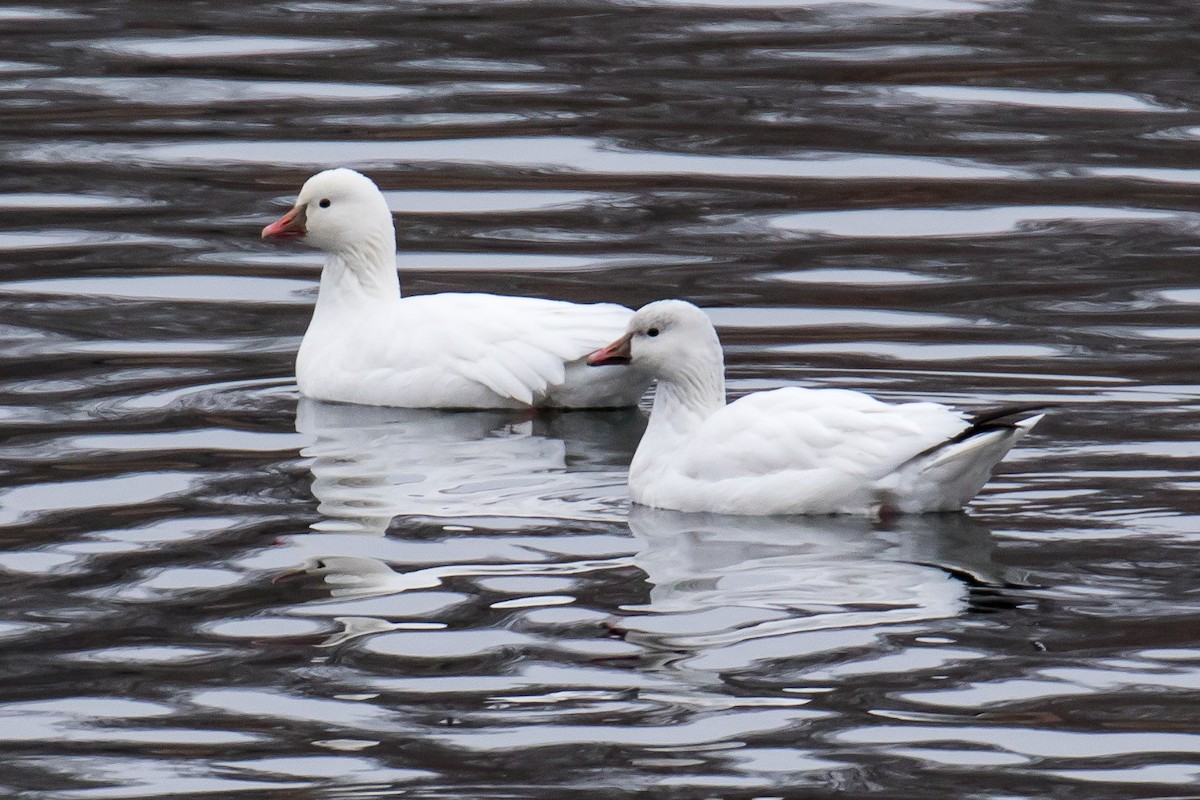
x,y
214,587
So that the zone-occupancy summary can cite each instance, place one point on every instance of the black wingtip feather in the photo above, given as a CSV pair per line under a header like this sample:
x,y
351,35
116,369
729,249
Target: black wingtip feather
x,y
1003,417
990,419
993,419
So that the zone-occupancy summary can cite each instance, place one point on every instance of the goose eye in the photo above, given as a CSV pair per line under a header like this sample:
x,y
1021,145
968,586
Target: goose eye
x,y
652,332
324,203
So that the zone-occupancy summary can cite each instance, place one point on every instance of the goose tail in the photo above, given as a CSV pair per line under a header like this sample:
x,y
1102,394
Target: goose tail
x,y
946,476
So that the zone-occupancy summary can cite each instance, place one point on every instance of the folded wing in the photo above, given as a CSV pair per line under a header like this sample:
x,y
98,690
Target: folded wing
x,y
518,347
797,429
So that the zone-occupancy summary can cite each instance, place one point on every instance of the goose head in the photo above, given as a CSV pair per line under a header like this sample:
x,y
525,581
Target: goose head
x,y
672,340
337,211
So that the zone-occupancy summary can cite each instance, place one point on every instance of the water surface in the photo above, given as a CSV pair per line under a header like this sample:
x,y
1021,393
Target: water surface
x,y
216,589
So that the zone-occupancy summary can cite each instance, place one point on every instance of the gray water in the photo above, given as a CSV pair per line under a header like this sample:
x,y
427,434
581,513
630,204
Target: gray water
x,y
212,588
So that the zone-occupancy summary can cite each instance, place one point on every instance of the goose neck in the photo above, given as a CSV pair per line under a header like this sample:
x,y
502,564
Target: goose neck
x,y
689,397
359,276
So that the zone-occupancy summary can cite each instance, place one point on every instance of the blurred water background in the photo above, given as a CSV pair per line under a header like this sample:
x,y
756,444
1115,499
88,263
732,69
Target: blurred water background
x,y
214,589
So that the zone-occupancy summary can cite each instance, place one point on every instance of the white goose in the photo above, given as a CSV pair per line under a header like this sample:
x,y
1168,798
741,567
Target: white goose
x,y
793,450
367,345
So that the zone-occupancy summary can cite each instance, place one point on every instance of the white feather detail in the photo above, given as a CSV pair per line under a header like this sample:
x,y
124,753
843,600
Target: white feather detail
x,y
460,350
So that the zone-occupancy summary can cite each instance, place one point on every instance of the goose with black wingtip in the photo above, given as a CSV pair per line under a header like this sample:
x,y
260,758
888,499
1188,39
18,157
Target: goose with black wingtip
x,y
793,450
368,345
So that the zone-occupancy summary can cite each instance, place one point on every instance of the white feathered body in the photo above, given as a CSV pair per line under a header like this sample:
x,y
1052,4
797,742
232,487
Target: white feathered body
x,y
791,451
465,351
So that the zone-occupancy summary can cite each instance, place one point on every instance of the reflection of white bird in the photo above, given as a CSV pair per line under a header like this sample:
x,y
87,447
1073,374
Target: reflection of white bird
x,y
367,345
373,464
719,581
792,450
351,576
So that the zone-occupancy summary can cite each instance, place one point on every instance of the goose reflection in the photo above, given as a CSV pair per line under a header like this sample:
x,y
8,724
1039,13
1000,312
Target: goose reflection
x,y
373,464
361,576
720,581
365,596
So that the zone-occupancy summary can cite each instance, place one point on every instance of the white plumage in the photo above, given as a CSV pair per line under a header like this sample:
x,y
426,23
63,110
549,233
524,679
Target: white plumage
x,y
367,345
792,450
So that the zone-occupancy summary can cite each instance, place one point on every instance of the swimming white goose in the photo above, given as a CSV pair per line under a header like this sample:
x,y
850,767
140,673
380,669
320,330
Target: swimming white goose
x,y
367,345
793,450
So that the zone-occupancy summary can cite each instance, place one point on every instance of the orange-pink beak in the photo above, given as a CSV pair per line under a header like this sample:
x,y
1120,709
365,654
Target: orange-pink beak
x,y
289,226
616,353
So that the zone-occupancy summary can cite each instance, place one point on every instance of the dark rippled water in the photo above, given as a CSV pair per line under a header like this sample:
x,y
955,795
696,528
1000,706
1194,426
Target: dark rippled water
x,y
214,589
